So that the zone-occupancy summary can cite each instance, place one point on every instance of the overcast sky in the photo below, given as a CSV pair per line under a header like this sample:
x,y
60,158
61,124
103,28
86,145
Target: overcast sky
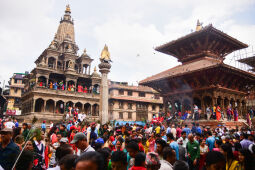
x,y
130,28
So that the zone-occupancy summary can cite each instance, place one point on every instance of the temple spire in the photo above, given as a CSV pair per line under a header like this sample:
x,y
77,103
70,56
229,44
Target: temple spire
x,y
68,10
66,27
199,26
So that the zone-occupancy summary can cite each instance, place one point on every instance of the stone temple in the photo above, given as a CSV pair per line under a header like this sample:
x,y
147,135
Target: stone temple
x,y
62,79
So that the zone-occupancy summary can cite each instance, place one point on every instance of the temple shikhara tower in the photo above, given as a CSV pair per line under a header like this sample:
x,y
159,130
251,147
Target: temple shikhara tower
x,y
202,78
62,79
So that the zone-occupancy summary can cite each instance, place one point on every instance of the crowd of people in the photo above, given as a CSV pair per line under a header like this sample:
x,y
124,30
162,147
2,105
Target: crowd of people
x,y
69,87
214,113
153,146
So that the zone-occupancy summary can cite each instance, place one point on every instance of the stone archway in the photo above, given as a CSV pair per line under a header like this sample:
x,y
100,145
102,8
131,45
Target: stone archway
x,y
87,109
39,105
79,106
42,81
60,107
69,104
51,62
95,110
96,89
50,106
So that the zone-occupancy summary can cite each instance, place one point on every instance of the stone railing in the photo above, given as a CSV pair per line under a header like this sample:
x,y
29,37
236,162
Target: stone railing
x,y
64,92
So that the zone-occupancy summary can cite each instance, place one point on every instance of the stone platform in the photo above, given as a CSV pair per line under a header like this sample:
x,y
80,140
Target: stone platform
x,y
48,117
214,123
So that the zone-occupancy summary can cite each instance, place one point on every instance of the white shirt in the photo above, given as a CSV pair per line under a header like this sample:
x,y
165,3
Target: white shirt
x,y
165,165
39,146
88,149
173,131
55,168
9,125
80,117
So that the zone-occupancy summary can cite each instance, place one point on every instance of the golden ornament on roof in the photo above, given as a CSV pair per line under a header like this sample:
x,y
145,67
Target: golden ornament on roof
x,y
68,8
95,69
105,55
199,26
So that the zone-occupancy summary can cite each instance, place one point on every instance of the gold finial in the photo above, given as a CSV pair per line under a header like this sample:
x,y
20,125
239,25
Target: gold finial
x,y
68,8
84,51
95,69
105,55
199,26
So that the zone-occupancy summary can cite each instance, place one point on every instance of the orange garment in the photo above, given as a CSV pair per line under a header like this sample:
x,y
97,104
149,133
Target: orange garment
x,y
218,113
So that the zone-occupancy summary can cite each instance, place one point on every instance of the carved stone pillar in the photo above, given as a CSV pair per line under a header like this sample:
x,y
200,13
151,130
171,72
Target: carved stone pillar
x,y
56,64
47,59
33,101
202,105
104,69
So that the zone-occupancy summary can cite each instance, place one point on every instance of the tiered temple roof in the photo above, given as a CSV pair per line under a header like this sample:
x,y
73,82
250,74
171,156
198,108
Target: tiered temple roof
x,y
207,41
250,61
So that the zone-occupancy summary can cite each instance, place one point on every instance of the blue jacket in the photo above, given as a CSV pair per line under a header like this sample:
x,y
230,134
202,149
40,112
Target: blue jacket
x,y
8,155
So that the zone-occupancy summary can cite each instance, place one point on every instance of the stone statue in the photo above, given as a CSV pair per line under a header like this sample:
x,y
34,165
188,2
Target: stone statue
x,y
53,45
69,48
70,64
105,55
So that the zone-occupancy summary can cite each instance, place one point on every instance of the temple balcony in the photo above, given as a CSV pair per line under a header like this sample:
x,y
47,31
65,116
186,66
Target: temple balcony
x,y
64,93
61,70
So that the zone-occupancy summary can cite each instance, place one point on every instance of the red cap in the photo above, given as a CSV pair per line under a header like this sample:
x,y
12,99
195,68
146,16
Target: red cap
x,y
72,127
44,121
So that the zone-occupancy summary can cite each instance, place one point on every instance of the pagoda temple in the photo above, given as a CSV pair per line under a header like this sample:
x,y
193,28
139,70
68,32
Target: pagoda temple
x,y
250,61
202,78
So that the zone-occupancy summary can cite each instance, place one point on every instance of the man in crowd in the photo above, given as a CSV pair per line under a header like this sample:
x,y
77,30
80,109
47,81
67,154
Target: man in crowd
x,y
119,160
8,149
80,141
193,152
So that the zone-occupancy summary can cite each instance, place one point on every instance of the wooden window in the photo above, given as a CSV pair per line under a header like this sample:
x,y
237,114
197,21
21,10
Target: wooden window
x,y
129,115
156,96
120,115
129,105
130,93
121,105
121,92
141,94
153,107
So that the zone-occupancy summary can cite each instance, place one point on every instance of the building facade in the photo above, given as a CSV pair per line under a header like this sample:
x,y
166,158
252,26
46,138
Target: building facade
x,y
16,88
202,78
61,78
133,103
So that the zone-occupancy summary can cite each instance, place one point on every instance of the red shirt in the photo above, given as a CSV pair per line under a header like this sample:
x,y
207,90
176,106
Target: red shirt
x,y
141,149
178,132
137,168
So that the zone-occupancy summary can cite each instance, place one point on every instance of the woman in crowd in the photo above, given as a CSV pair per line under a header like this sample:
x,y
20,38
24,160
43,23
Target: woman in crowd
x,y
203,151
246,160
231,163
